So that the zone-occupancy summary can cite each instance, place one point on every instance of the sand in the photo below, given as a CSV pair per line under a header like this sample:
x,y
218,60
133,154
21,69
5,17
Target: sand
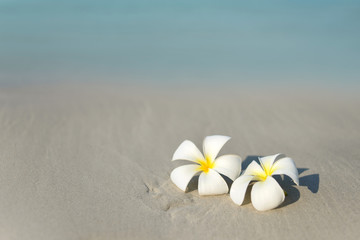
x,y
93,162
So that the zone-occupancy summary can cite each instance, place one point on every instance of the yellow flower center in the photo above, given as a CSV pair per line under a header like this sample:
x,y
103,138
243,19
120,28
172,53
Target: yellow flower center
x,y
268,171
206,164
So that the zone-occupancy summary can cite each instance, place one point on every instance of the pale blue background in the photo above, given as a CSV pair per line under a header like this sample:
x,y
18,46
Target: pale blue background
x,y
142,41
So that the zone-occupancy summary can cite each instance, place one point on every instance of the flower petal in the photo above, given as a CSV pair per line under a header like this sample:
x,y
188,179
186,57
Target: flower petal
x,y
182,175
238,189
254,169
229,165
267,195
188,151
211,183
286,166
268,161
213,144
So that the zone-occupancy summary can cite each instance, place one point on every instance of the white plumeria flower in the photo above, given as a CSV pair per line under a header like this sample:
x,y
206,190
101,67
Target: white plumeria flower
x,y
266,194
210,181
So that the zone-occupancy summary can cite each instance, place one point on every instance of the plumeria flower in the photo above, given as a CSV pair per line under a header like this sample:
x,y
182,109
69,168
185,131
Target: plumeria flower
x,y
209,167
266,193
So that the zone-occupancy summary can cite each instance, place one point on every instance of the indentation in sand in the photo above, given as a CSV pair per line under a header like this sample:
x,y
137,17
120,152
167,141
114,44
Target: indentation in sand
x,y
165,197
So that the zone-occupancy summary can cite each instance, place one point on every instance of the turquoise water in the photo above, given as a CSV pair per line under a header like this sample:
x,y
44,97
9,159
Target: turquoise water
x,y
180,41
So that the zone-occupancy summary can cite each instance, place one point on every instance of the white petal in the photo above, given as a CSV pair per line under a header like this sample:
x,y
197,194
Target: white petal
x,y
267,195
286,166
254,169
211,183
213,144
229,165
188,151
238,189
182,175
268,161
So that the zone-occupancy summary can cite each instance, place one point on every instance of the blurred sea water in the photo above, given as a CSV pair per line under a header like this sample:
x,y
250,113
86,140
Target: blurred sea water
x,y
262,42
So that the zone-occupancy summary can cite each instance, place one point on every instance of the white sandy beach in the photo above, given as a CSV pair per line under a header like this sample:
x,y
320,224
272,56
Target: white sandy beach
x,y
93,162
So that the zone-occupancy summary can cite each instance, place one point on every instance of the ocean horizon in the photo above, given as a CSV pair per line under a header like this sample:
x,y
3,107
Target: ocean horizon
x,y
161,42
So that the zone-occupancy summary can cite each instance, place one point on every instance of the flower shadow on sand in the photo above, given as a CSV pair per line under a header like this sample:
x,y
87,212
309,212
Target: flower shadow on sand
x,y
311,181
